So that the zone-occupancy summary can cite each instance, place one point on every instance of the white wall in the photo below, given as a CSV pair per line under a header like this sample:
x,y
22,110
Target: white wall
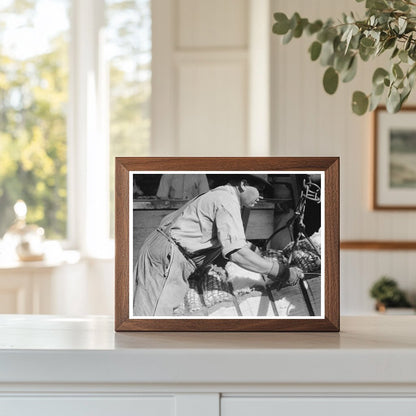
x,y
308,122
203,85
211,92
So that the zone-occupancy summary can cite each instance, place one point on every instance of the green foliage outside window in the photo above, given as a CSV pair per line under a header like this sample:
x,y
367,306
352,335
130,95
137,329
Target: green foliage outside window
x,y
129,43
33,99
34,103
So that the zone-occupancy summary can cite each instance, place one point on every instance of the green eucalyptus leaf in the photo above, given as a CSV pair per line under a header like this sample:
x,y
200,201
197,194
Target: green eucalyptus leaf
x,y
367,42
393,101
338,45
378,89
322,36
397,71
359,103
350,18
403,56
332,33
411,78
399,85
315,50
379,75
404,96
366,53
314,27
330,80
394,26
376,36
288,37
350,33
327,54
351,71
298,30
395,52
412,70
376,4
281,27
400,5
346,34
402,22
412,52
374,101
387,82
341,62
355,41
295,20
389,43
408,42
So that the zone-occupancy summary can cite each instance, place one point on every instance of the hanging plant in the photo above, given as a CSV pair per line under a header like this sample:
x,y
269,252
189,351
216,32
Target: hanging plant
x,y
388,27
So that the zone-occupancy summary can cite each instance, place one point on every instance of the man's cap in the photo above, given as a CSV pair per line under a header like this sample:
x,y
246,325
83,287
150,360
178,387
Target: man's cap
x,y
261,177
258,178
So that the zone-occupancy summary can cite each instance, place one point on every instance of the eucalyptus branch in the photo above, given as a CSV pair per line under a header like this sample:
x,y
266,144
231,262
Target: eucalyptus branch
x,y
388,26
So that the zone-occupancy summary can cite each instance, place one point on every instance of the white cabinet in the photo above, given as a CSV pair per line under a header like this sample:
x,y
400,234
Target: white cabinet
x,y
88,406
271,406
68,286
53,365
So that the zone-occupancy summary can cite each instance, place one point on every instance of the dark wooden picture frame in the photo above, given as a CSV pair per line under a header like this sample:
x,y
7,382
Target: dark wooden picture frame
x,y
383,198
327,165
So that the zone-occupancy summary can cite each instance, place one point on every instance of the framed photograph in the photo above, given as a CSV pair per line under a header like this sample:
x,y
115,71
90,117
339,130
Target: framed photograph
x,y
394,179
227,244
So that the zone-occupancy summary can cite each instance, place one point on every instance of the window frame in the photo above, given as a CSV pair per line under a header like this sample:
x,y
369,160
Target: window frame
x,y
87,133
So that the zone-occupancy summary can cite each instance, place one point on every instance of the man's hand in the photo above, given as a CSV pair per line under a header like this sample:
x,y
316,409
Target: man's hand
x,y
295,275
284,275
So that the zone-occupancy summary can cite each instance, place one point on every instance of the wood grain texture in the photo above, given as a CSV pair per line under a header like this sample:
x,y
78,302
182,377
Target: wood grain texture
x,y
378,245
121,243
332,288
329,165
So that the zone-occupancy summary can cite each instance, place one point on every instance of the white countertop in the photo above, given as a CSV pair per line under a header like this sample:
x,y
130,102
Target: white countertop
x,y
53,349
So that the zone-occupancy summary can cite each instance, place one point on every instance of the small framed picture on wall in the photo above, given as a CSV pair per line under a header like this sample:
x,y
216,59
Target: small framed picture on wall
x,y
394,149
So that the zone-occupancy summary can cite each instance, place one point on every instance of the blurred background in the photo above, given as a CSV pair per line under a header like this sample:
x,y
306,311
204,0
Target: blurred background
x,y
83,81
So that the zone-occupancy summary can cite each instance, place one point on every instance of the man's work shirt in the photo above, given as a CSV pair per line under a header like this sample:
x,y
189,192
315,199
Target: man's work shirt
x,y
208,225
182,186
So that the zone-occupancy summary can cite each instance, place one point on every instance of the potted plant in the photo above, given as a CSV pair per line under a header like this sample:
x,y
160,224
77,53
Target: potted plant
x,y
387,294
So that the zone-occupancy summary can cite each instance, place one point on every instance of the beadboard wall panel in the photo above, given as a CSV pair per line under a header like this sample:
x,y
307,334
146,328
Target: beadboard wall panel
x,y
305,121
207,99
204,72
204,109
212,24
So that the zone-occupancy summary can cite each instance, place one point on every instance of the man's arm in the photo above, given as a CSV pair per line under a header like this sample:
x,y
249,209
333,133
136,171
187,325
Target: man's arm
x,y
249,260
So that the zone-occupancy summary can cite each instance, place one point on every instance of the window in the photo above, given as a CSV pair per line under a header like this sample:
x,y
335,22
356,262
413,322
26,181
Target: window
x,y
129,44
75,87
33,98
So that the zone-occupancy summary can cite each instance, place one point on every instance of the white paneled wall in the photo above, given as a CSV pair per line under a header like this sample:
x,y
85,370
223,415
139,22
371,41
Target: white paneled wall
x,y
224,85
207,124
204,71
308,122
212,24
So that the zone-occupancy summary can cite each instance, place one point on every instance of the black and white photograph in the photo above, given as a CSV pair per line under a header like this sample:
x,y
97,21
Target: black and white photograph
x,y
226,245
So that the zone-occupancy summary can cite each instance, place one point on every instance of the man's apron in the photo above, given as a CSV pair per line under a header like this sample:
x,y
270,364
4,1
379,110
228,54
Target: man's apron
x,y
162,271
